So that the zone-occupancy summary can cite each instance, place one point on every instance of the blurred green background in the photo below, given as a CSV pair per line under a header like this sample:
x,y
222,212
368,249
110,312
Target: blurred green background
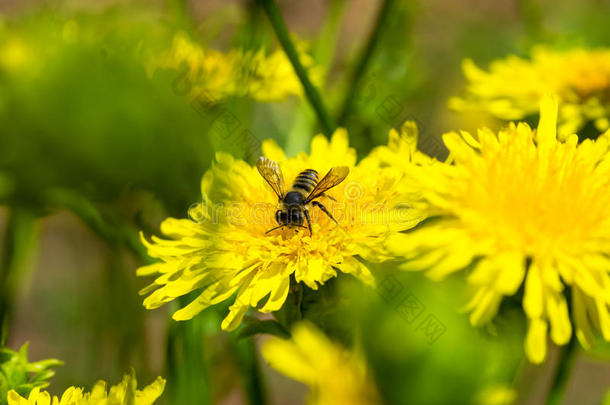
x,y
93,149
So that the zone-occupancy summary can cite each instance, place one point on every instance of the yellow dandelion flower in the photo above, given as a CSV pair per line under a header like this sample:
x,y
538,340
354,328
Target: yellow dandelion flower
x,y
236,73
124,393
226,250
15,54
333,374
496,395
522,207
513,87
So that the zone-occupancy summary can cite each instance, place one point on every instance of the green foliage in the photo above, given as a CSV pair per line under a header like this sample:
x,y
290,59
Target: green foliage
x,y
17,373
84,109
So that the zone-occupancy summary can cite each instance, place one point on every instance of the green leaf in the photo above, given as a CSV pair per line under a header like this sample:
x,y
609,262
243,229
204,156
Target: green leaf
x,y
43,365
16,373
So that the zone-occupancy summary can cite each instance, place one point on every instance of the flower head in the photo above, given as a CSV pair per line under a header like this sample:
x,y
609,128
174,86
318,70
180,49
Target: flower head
x,y
522,207
125,393
513,87
14,54
226,248
264,77
333,374
496,395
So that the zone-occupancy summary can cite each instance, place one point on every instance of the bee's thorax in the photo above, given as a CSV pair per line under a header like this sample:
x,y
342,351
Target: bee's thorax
x,y
293,198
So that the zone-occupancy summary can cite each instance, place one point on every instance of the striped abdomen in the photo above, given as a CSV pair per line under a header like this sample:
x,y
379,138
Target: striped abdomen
x,y
305,182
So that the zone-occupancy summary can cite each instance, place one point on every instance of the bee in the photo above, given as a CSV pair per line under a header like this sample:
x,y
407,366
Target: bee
x,y
305,190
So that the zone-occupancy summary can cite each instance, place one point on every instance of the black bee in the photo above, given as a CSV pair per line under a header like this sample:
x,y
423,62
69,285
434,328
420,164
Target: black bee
x,y
306,188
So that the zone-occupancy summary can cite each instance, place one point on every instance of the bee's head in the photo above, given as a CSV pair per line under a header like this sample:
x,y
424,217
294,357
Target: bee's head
x,y
290,216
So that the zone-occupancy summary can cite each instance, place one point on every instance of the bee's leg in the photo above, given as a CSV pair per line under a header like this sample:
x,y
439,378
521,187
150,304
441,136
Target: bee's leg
x,y
308,221
324,210
327,196
273,229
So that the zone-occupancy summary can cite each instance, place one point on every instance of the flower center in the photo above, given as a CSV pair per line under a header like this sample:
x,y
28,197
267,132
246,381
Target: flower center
x,y
587,74
532,203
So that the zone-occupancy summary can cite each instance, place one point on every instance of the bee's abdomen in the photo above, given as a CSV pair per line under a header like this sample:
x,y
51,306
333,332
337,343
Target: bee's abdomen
x,y
305,181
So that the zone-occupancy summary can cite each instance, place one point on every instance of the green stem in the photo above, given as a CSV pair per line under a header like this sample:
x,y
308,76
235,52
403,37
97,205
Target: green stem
x,y
281,31
562,373
187,369
249,365
365,58
251,35
325,48
532,18
180,10
19,239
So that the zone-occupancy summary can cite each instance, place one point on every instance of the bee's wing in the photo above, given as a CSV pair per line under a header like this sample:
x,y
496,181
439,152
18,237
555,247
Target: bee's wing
x,y
334,176
271,172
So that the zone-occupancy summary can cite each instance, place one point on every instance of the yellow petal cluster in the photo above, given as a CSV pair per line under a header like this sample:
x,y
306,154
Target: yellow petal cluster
x,y
496,395
223,249
256,74
125,393
333,374
513,87
15,54
522,208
